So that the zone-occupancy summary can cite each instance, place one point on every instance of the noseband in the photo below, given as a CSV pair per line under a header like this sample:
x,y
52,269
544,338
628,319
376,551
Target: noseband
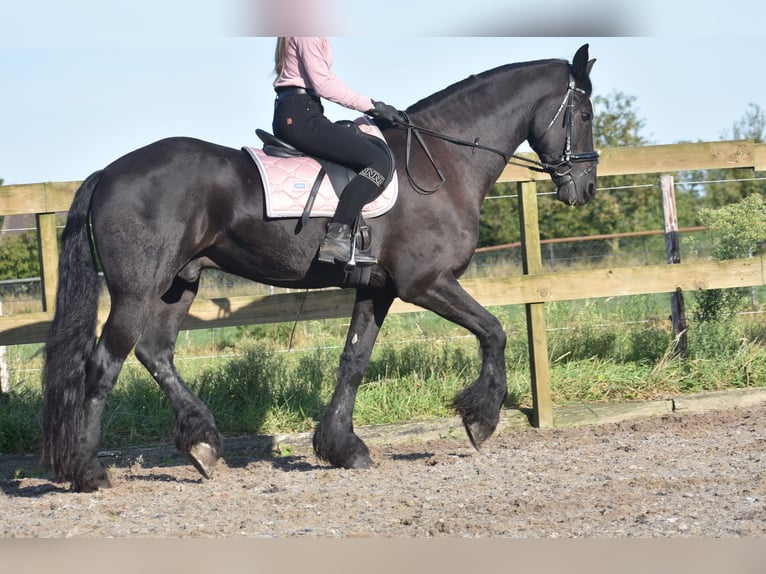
x,y
561,169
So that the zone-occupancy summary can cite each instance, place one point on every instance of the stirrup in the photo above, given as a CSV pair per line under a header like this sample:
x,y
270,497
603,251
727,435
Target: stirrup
x,y
345,250
364,260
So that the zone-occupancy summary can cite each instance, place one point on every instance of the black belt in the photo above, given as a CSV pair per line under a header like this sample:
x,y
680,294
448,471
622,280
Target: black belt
x,y
294,91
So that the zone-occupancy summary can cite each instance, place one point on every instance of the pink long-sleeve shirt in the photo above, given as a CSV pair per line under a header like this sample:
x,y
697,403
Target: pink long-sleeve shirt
x,y
308,64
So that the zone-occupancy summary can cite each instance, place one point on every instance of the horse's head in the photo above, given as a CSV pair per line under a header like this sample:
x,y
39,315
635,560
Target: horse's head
x,y
565,142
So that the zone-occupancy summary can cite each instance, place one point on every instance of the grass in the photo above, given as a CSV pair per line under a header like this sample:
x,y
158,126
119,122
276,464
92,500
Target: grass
x,y
600,350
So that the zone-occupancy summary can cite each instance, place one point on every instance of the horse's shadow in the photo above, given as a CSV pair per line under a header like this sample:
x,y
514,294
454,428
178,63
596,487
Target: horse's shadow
x,y
15,470
163,477
284,463
154,472
413,456
157,464
13,489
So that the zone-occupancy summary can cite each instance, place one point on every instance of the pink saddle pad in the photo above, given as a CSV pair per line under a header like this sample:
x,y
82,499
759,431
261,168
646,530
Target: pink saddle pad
x,y
287,183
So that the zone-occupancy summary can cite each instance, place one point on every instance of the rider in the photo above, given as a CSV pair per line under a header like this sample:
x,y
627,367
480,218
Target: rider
x,y
304,75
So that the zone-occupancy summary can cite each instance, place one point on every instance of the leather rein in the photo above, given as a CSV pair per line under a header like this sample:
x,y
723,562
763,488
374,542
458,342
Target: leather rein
x,y
560,169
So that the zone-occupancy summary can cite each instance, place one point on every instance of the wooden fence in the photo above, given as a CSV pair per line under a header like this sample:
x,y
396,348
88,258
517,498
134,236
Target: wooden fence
x,y
533,289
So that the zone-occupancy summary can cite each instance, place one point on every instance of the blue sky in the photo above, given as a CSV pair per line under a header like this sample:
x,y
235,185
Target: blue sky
x,y
83,82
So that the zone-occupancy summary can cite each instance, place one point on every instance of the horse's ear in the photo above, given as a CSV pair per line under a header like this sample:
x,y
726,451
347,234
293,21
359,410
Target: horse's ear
x,y
580,64
581,67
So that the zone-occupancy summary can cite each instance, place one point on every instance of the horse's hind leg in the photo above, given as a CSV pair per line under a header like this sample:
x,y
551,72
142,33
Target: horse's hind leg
x,y
102,369
334,438
195,430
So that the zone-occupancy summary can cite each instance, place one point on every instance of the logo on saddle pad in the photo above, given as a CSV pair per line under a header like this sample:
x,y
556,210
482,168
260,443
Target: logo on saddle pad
x,y
288,181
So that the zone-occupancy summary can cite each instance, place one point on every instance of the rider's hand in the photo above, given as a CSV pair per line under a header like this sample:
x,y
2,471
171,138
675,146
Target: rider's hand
x,y
385,112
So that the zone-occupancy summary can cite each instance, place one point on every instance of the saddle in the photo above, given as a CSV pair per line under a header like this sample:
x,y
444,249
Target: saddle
x,y
339,174
298,185
287,173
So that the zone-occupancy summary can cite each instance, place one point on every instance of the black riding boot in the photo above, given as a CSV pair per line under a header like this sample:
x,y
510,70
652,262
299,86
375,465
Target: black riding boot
x,y
336,247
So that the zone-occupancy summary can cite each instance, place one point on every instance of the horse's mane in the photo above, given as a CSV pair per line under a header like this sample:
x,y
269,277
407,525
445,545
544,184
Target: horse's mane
x,y
471,81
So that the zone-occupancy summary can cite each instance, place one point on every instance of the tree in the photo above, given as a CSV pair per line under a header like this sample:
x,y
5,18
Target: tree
x,y
615,122
18,256
751,126
499,222
618,207
626,202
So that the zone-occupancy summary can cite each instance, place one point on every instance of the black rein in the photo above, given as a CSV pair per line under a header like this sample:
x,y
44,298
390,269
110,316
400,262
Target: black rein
x,y
563,167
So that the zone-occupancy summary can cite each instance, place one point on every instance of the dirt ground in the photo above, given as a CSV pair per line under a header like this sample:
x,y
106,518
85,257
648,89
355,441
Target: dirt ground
x,y
672,475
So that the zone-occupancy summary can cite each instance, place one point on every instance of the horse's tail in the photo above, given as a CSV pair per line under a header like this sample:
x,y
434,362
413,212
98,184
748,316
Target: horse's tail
x,y
71,338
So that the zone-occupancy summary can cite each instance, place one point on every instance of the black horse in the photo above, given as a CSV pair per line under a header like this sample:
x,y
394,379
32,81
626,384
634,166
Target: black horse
x,y
158,216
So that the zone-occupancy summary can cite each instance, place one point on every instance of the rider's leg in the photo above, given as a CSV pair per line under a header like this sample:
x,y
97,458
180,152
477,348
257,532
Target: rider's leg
x,y
301,122
336,245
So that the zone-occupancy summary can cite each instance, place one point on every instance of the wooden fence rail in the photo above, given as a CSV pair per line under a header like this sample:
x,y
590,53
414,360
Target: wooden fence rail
x,y
524,289
533,289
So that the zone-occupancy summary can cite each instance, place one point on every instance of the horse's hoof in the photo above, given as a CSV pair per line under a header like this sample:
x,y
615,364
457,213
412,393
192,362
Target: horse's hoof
x,y
93,479
204,458
478,432
361,461
358,460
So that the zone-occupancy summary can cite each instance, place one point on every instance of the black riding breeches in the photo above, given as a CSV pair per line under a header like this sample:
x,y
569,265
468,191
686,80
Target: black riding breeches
x,y
300,121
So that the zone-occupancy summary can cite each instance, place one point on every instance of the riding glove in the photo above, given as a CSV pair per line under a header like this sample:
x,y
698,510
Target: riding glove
x,y
385,112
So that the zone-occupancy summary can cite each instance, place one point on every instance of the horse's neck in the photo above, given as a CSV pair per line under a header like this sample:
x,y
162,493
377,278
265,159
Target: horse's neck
x,y
491,121
495,112
496,109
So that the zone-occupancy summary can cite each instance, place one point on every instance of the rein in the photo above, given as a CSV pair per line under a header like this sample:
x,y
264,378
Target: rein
x,y
565,162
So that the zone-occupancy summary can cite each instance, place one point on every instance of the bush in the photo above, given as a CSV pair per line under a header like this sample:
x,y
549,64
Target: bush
x,y
18,256
738,230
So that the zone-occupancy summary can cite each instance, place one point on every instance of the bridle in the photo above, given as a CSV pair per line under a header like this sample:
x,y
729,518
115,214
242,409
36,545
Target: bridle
x,y
560,169
567,157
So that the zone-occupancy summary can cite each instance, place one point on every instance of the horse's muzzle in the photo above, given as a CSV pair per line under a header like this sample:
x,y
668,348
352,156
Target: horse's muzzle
x,y
576,189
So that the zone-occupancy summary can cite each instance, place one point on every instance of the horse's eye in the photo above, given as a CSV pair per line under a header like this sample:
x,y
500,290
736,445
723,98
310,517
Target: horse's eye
x,y
586,117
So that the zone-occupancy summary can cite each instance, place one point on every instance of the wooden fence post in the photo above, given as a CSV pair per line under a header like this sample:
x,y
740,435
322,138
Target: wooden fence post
x,y
673,254
5,386
542,405
49,273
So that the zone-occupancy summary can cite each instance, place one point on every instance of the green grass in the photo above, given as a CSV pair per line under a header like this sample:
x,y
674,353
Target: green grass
x,y
600,350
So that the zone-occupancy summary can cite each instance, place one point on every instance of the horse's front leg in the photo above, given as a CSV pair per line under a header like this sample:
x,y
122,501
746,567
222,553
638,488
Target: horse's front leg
x,y
334,438
479,404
